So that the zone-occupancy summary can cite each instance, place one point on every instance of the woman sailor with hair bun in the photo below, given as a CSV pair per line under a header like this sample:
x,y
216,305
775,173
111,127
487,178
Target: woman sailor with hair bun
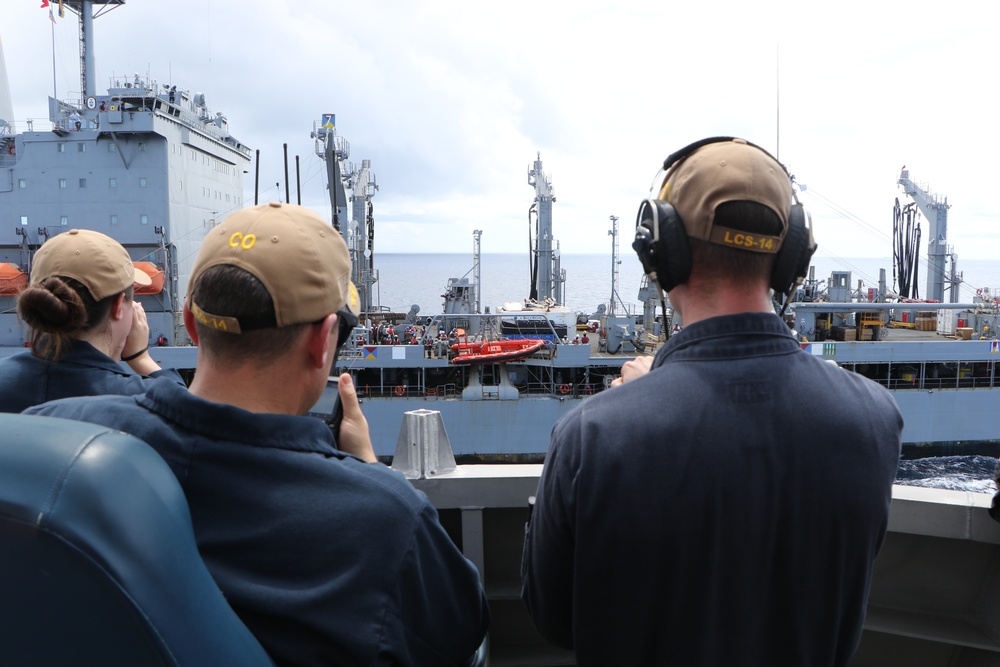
x,y
80,308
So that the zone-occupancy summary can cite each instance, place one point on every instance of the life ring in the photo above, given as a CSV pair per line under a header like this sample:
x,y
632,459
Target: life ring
x,y
564,389
10,150
400,390
979,292
431,391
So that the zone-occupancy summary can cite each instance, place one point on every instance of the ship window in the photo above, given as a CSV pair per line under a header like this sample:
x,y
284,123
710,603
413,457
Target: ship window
x,y
21,183
24,220
81,148
142,182
83,182
62,183
62,146
64,220
114,219
112,182
143,219
112,148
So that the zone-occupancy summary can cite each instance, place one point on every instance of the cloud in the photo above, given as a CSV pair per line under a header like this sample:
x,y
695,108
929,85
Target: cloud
x,y
452,101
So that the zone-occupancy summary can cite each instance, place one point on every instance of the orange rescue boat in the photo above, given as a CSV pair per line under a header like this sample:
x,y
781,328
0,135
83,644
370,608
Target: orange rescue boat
x,y
489,351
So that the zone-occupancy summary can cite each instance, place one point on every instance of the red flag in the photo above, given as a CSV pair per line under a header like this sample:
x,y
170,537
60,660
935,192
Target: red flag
x,y
45,3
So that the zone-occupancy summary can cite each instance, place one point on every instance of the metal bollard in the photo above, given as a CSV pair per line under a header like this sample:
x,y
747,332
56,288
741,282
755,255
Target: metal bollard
x,y
422,448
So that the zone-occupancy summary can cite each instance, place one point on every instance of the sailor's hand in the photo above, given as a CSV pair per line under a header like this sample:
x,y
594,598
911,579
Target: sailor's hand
x,y
136,350
354,436
632,369
138,335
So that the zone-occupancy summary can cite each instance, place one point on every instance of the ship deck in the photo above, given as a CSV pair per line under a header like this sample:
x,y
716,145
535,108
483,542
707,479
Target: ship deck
x,y
933,591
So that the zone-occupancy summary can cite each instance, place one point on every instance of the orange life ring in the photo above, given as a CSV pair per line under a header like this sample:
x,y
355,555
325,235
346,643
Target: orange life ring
x,y
400,390
10,150
564,389
431,391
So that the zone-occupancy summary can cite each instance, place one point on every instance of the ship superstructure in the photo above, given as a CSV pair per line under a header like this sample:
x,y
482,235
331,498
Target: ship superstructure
x,y
146,163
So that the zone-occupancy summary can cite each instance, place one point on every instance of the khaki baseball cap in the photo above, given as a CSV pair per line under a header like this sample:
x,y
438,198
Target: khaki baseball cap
x,y
300,259
93,259
728,171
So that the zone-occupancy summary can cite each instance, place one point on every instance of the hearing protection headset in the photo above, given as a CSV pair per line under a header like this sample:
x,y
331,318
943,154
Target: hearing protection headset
x,y
661,242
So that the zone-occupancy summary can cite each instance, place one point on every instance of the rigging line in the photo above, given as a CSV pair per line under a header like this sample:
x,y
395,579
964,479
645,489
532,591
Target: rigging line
x,y
219,215
924,262
837,208
854,269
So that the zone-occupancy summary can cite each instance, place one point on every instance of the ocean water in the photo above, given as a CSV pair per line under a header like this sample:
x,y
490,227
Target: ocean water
x,y
420,279
960,473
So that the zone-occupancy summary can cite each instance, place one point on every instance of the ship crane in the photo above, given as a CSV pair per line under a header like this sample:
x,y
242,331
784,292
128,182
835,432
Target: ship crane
x,y
358,226
935,209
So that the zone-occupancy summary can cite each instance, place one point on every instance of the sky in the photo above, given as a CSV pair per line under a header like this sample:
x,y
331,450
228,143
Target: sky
x,y
451,101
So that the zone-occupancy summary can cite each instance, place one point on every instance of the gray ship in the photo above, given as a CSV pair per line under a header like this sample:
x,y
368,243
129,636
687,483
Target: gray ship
x,y
145,162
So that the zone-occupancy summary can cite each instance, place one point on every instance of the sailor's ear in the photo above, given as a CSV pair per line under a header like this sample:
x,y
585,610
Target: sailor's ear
x,y
189,324
319,343
118,306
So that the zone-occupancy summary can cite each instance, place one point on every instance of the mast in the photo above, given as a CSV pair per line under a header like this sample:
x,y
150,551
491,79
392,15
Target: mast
x,y
547,278
615,262
361,231
477,269
85,10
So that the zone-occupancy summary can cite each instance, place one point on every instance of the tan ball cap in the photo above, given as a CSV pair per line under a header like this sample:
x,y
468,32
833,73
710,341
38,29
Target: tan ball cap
x,y
95,260
300,259
723,172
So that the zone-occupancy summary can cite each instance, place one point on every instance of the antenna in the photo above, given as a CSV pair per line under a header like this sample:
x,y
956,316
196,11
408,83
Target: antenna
x,y
777,102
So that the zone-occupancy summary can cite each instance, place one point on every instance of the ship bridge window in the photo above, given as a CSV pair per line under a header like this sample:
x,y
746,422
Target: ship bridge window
x,y
62,183
64,220
24,221
62,146
81,148
143,219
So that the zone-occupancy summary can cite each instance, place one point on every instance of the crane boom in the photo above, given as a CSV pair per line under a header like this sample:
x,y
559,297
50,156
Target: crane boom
x,y
935,209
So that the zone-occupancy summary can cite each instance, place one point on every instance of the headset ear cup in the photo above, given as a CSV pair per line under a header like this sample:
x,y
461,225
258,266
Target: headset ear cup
x,y
675,250
662,244
644,243
792,262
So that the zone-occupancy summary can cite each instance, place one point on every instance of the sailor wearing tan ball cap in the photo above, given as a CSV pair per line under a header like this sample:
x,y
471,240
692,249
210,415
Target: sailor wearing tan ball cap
x,y
328,556
79,307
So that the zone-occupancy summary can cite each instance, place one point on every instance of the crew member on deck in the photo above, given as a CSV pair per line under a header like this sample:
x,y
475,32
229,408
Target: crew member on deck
x,y
724,504
329,557
83,317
